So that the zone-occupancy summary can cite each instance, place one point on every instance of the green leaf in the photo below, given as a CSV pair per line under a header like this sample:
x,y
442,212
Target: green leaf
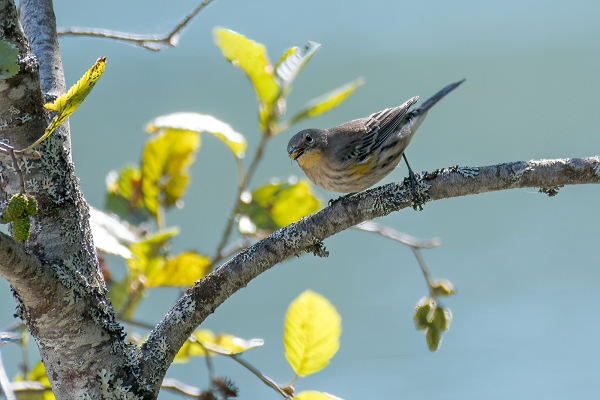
x,y
252,58
8,60
443,287
181,270
165,162
442,318
67,103
422,312
201,123
311,333
278,204
327,102
289,67
124,195
314,395
434,337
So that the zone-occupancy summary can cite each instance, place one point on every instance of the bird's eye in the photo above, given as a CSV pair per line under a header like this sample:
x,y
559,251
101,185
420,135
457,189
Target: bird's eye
x,y
308,139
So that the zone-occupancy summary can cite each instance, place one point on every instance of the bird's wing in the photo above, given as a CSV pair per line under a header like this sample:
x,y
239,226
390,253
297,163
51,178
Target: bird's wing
x,y
379,126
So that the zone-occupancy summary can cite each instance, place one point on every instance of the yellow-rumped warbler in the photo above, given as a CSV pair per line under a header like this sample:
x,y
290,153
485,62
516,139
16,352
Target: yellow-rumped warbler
x,y
356,155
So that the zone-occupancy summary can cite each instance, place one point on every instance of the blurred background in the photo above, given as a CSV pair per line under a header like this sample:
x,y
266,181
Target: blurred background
x,y
525,265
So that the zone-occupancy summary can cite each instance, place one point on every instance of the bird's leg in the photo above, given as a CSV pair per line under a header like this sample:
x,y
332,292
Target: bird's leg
x,y
417,198
411,177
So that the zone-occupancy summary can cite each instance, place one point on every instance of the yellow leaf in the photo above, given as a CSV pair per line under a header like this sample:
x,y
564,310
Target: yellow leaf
x,y
294,202
314,395
67,103
165,162
201,123
227,344
311,333
36,374
252,58
278,204
191,347
182,270
327,101
149,254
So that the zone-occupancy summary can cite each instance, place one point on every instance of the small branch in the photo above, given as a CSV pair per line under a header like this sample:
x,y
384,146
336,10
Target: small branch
x,y
8,337
241,188
209,365
424,269
268,381
207,294
130,299
145,41
235,247
136,323
18,171
5,382
370,226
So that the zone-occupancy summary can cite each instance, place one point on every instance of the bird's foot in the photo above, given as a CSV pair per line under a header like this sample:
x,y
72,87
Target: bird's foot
x,y
418,192
346,196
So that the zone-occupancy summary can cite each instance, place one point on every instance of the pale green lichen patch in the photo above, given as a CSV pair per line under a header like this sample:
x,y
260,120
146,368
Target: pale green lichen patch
x,y
517,174
468,172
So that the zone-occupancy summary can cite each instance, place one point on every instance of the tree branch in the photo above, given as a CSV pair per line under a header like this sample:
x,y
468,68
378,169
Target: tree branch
x,y
206,295
170,39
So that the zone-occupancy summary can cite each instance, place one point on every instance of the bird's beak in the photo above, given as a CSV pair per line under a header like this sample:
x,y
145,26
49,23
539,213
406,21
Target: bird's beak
x,y
295,152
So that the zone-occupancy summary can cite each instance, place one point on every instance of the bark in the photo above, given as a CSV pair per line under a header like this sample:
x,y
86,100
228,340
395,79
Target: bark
x,y
55,276
59,290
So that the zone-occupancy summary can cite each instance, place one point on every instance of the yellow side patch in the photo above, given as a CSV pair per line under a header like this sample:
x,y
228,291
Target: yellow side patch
x,y
362,168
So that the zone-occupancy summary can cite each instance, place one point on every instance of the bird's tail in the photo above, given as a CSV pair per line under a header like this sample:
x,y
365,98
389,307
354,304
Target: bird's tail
x,y
437,97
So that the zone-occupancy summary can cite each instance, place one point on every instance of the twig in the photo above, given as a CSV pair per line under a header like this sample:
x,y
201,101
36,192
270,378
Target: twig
x,y
424,269
136,323
209,365
7,149
180,387
5,382
238,199
8,337
268,381
170,39
393,234
235,247
130,299
18,171
29,387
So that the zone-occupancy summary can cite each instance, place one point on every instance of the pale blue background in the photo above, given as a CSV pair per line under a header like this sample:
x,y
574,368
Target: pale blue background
x,y
525,265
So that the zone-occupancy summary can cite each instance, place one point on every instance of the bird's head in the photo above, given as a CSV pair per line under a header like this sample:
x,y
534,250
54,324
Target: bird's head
x,y
306,141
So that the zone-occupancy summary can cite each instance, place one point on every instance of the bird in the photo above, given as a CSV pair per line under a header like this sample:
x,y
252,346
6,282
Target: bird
x,y
356,155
